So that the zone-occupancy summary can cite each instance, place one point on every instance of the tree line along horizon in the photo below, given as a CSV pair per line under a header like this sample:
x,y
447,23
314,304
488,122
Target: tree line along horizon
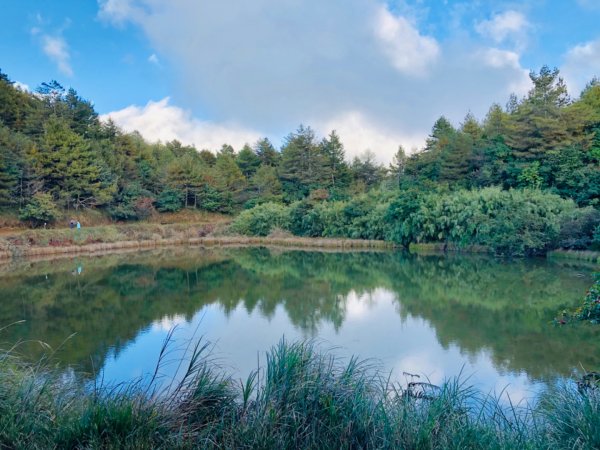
x,y
56,155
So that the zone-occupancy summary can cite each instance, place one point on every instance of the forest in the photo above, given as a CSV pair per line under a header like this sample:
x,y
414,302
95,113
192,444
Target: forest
x,y
522,181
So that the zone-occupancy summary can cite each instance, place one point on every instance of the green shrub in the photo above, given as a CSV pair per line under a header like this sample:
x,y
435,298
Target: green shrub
x,y
522,222
577,228
260,220
169,200
511,223
40,210
402,217
305,219
596,238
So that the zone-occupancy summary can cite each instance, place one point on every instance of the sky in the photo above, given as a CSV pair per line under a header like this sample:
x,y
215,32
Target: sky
x,y
231,71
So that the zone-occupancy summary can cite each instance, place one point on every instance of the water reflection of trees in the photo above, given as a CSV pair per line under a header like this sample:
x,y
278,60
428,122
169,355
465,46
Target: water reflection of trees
x,y
475,303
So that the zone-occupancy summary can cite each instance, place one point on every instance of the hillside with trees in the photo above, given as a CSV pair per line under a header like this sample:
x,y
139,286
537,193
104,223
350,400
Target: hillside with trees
x,y
531,168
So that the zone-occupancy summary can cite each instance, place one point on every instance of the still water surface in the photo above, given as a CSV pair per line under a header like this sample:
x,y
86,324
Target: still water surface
x,y
435,316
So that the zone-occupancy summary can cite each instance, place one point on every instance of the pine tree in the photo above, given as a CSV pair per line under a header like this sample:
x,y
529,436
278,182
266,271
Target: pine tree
x,y
266,184
456,160
8,180
247,161
398,164
335,168
427,163
302,164
229,177
69,167
366,170
538,124
81,113
471,127
186,175
495,122
267,153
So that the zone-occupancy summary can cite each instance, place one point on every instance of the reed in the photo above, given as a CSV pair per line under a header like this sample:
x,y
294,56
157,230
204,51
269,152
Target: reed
x,y
301,398
578,255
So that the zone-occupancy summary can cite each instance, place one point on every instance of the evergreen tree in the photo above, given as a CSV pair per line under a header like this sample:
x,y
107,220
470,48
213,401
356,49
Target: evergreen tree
x,y
471,127
366,170
229,178
83,117
538,124
266,184
495,122
69,168
427,163
247,161
267,153
226,150
335,169
185,177
398,164
302,164
456,160
8,180
208,157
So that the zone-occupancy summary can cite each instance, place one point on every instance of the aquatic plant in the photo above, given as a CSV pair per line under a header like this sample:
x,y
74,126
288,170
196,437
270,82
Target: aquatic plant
x,y
301,398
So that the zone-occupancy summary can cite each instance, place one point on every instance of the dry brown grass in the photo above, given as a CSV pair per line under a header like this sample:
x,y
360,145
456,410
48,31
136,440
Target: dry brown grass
x,y
51,243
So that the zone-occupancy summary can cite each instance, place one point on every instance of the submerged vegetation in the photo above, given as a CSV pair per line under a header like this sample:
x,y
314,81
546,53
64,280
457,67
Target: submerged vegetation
x,y
523,181
301,398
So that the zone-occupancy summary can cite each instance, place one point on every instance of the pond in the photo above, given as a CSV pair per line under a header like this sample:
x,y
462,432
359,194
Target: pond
x,y
435,316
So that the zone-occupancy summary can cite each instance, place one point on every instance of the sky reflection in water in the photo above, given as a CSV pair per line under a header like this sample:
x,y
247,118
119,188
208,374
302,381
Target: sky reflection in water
x,y
433,316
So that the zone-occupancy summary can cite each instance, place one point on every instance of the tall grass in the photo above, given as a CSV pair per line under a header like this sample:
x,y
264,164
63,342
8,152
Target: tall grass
x,y
301,398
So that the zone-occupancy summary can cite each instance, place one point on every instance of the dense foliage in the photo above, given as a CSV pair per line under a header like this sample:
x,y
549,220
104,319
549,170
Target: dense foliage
x,y
512,223
524,180
54,147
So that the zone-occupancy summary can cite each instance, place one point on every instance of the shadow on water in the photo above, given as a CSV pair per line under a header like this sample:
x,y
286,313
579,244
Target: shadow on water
x,y
475,303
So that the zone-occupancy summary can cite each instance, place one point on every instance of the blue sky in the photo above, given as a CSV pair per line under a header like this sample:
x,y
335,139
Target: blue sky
x,y
230,71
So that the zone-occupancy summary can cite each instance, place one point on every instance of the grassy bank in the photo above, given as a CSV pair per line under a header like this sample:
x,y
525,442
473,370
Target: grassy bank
x,y
426,248
301,398
115,238
576,255
215,230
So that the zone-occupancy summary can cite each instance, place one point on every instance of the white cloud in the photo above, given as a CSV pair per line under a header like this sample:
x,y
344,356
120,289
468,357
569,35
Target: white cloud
x,y
168,323
347,64
55,47
359,134
506,59
153,59
410,52
510,26
22,86
159,121
117,11
582,63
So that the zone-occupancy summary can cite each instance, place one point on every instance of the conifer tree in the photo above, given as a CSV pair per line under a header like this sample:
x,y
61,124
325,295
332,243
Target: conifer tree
x,y
267,153
247,161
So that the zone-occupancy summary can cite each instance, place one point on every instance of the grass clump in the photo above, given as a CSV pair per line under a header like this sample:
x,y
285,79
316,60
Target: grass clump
x,y
302,398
